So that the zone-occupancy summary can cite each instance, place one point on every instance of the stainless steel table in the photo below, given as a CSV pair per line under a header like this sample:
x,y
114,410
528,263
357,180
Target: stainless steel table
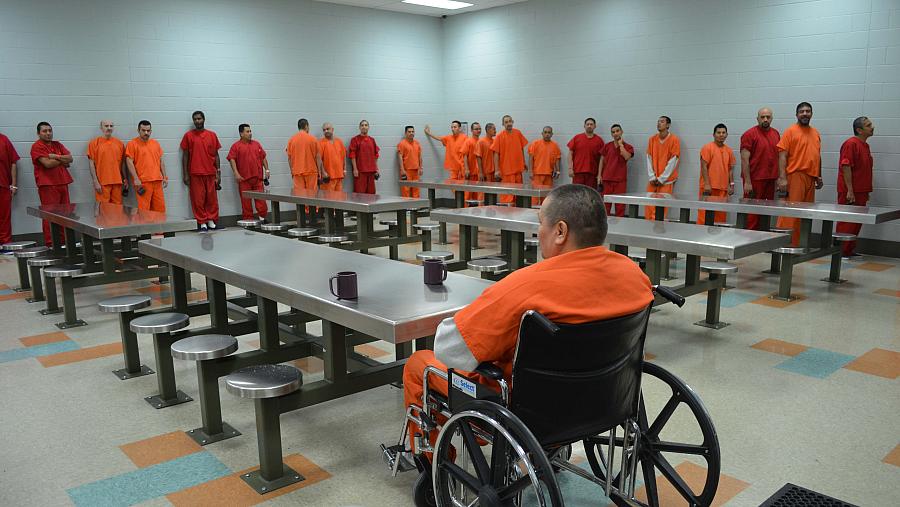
x,y
364,205
655,236
523,193
394,305
782,264
101,222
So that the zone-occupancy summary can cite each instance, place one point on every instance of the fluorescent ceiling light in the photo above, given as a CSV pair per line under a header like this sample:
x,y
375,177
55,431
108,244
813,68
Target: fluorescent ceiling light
x,y
440,4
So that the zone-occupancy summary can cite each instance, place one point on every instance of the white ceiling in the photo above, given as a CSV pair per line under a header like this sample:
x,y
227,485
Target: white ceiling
x,y
398,6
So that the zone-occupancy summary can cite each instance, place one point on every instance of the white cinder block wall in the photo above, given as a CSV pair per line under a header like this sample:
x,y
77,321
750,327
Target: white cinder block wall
x,y
266,62
701,62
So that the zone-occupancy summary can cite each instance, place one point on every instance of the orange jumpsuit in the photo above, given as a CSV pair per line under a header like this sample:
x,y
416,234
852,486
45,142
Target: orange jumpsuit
x,y
453,155
302,150
719,164
804,163
334,161
470,150
662,163
563,288
509,147
146,158
546,155
411,155
107,155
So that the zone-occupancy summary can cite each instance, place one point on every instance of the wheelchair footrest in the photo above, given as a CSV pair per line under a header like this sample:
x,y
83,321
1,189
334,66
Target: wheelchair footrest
x,y
396,458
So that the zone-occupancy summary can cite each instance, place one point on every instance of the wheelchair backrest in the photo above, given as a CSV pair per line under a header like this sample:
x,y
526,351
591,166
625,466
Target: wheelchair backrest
x,y
570,381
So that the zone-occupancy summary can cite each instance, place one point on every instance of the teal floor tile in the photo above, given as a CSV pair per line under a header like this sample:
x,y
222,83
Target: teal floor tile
x,y
817,363
152,482
38,350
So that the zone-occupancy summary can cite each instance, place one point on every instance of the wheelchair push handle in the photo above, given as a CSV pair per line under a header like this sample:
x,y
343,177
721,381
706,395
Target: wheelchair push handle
x,y
669,294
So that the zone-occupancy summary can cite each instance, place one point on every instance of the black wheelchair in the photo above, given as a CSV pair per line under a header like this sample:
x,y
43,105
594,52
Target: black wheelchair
x,y
505,448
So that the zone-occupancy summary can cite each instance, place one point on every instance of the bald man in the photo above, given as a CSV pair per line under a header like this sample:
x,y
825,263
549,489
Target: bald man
x,y
543,156
106,160
577,281
334,158
509,155
759,162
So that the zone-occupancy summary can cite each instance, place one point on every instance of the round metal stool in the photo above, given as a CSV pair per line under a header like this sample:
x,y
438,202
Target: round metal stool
x,y
434,254
160,325
125,306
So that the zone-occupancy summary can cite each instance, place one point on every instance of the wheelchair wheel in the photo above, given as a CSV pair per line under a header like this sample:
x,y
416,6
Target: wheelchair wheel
x,y
658,446
485,456
423,491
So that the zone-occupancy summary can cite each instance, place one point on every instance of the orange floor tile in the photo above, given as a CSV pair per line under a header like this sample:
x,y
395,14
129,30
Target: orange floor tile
x,y
779,347
74,356
239,494
694,475
874,266
370,351
17,295
880,362
42,339
310,365
775,303
154,450
888,292
893,457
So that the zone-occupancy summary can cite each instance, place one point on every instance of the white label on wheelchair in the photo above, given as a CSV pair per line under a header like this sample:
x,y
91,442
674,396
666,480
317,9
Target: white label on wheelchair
x,y
465,385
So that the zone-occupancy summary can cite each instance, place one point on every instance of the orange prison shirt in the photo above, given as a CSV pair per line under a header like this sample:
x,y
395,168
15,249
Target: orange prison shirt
x,y
563,288
661,152
509,146
301,150
410,152
470,149
146,157
545,153
804,147
487,157
719,161
107,155
334,157
453,155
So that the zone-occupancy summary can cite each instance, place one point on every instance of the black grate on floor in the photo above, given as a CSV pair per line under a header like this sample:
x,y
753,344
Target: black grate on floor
x,y
792,495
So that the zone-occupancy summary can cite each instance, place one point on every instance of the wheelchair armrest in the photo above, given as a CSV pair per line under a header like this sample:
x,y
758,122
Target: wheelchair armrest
x,y
489,370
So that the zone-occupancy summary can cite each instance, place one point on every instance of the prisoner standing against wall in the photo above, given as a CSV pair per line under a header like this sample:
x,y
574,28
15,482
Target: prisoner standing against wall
x,y
663,152
144,157
364,158
51,162
200,171
509,155
409,151
855,176
759,162
250,167
799,164
716,171
334,159
614,168
106,160
585,150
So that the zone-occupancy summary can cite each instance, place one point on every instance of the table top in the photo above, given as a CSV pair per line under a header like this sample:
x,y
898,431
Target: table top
x,y
736,204
394,303
347,201
491,187
107,221
691,239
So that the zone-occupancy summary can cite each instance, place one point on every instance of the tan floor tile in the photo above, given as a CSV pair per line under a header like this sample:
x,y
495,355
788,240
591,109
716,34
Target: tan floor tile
x,y
42,339
874,266
893,457
695,476
74,356
779,347
888,292
154,450
880,362
775,303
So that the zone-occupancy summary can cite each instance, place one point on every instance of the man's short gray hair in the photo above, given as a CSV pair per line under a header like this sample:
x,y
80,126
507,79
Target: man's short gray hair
x,y
581,208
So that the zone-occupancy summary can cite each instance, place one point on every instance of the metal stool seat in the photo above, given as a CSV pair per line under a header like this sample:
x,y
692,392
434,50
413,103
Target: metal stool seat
x,y
487,265
204,346
63,271
121,304
43,262
719,268
427,226
334,238
843,236
17,245
791,250
160,325
724,224
272,227
30,252
504,204
434,254
638,256
531,242
781,230
473,202
302,232
265,383
249,223
125,306
392,222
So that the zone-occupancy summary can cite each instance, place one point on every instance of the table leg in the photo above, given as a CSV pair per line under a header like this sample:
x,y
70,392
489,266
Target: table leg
x,y
654,264
108,254
276,212
56,237
692,270
709,217
178,288
516,250
834,275
335,357
523,201
218,305
465,242
363,227
426,241
404,350
741,221
806,232
71,240
632,211
684,215
87,250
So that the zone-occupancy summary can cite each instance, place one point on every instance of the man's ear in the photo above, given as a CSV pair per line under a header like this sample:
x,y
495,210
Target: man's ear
x,y
562,232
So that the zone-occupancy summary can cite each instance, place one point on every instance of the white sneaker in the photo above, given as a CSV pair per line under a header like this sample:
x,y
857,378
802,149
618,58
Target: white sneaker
x,y
211,224
203,228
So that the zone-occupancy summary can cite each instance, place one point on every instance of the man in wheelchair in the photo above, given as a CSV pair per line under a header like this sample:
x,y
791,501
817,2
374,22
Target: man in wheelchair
x,y
583,312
